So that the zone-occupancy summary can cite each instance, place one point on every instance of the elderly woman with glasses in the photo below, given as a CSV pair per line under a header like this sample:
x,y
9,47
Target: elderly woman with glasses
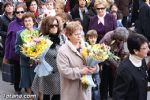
x,y
49,86
131,78
10,55
72,66
102,22
27,65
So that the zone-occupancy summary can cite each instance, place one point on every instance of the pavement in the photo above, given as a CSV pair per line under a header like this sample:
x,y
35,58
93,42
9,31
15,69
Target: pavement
x,y
7,92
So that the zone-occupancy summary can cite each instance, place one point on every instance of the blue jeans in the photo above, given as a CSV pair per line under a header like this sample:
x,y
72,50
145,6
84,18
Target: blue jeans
x,y
95,90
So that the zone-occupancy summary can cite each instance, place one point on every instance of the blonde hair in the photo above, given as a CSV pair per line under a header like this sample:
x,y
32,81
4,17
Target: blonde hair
x,y
73,26
103,2
60,4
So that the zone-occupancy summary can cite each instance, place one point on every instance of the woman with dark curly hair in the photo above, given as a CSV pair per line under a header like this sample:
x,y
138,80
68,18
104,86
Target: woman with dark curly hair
x,y
49,86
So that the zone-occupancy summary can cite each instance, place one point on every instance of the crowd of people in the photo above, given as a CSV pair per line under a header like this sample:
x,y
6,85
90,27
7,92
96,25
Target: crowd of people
x,y
72,25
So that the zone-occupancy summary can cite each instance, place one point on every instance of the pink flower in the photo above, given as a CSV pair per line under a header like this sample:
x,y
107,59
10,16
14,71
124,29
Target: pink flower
x,y
36,39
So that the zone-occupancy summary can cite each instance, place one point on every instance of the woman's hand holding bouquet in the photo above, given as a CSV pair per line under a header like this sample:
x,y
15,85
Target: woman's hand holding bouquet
x,y
93,55
36,49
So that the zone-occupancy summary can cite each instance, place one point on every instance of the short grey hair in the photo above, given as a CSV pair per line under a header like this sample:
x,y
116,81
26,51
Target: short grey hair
x,y
121,33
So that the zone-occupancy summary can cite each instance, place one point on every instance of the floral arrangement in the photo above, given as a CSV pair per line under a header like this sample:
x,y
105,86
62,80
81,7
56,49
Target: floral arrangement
x,y
36,49
94,54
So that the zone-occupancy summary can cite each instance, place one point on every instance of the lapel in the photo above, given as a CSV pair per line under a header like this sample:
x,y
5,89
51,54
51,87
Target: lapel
x,y
73,49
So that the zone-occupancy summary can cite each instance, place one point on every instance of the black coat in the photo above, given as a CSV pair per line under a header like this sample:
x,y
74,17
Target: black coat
x,y
86,19
4,22
144,21
131,82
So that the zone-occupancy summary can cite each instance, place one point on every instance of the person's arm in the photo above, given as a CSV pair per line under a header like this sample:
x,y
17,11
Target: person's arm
x,y
8,40
121,84
18,42
2,32
66,70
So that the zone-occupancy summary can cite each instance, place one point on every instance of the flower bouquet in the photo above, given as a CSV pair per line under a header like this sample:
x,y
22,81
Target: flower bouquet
x,y
93,55
36,49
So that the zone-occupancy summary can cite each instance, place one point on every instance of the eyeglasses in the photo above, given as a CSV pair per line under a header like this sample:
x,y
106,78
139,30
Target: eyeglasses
x,y
51,26
100,8
17,12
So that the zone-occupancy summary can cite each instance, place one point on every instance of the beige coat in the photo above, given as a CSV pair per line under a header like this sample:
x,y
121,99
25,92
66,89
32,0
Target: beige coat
x,y
70,63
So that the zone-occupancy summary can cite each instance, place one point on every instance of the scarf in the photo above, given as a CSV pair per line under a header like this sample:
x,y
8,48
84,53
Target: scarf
x,y
55,39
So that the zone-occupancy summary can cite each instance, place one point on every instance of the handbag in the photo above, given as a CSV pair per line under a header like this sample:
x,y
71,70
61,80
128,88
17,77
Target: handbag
x,y
8,73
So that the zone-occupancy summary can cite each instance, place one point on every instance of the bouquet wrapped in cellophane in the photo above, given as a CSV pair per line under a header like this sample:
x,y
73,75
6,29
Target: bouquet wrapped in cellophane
x,y
94,54
36,49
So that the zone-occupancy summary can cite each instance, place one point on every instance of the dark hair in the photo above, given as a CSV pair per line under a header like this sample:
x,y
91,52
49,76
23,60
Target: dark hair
x,y
6,4
135,41
112,6
27,15
144,0
77,3
28,3
45,25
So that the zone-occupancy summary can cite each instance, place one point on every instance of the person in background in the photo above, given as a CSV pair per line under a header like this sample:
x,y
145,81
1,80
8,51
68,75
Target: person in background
x,y
71,65
91,38
123,6
102,22
27,65
59,7
114,8
49,86
10,55
117,14
131,79
42,9
32,6
142,26
50,4
5,19
91,12
115,39
79,10
63,18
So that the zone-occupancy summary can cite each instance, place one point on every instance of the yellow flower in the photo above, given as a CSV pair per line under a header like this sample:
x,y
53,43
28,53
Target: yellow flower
x,y
33,48
84,82
84,52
